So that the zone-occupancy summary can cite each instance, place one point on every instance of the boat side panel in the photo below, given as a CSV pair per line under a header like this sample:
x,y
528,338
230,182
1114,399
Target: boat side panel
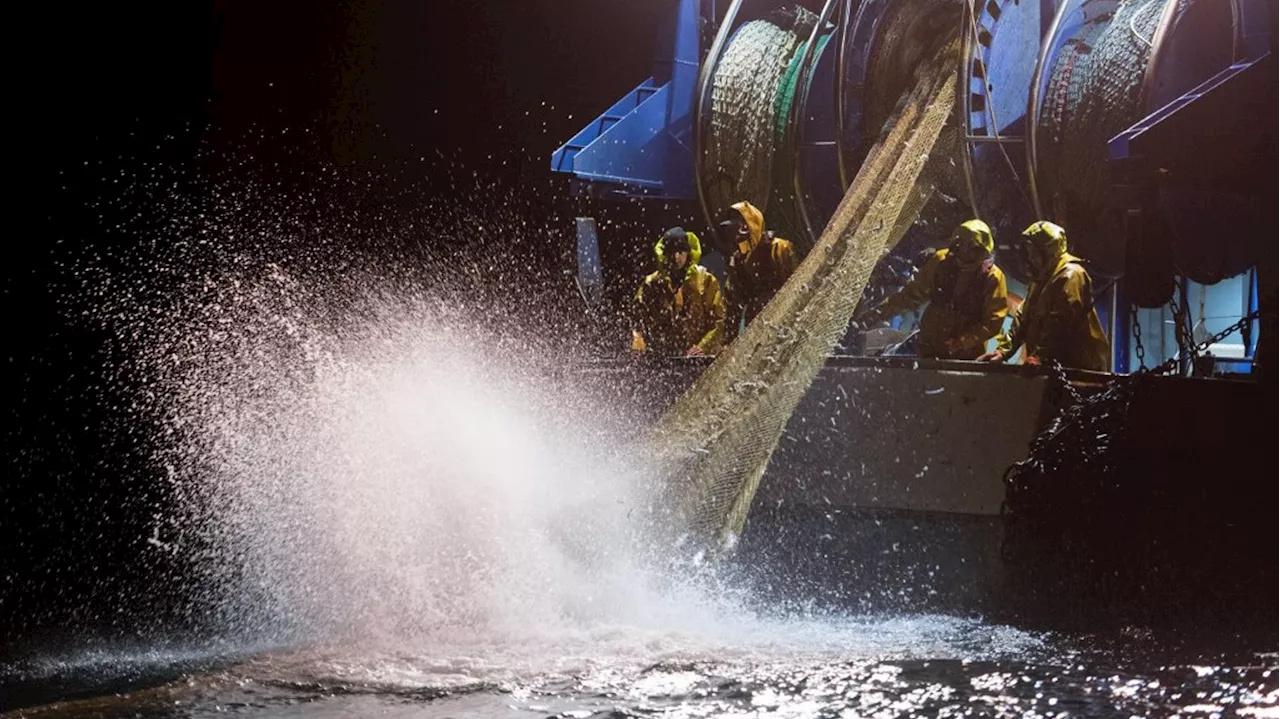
x,y
921,440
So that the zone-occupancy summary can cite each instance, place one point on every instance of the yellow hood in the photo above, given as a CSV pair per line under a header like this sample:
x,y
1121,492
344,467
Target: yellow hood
x,y
979,233
755,223
695,253
1048,247
1048,237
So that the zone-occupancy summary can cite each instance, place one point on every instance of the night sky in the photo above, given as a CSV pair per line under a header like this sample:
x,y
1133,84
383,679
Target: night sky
x,y
493,87
439,74
490,86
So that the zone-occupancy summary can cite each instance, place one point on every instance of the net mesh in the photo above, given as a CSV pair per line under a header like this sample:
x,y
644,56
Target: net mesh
x,y
908,33
714,444
1093,94
745,109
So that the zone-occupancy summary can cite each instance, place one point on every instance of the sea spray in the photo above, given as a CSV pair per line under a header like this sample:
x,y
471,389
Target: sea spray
x,y
408,486
360,422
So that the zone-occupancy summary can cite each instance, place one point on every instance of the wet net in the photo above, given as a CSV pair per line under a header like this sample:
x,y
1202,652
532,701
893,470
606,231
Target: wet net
x,y
1073,461
714,444
1093,94
907,34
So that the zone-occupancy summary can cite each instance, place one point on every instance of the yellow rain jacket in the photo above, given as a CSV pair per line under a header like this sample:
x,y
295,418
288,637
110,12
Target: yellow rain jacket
x,y
757,270
1058,320
967,302
670,319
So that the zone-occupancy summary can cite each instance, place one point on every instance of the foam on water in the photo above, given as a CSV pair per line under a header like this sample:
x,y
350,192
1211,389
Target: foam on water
x,y
608,654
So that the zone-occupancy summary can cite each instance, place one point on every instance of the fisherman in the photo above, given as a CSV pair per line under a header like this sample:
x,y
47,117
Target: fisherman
x,y
1058,320
759,265
966,295
679,308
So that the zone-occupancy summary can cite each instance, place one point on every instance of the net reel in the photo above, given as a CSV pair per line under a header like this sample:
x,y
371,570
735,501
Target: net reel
x,y
841,82
1048,84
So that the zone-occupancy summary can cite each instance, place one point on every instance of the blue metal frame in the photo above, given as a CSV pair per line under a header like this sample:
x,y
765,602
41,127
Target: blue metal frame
x,y
1120,146
1121,336
1251,342
643,145
1250,338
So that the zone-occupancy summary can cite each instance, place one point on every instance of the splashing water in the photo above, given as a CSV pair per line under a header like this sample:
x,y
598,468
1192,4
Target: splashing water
x,y
395,475
406,489
418,513
357,440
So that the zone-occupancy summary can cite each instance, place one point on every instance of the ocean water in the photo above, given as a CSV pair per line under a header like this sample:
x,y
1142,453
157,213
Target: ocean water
x,y
904,666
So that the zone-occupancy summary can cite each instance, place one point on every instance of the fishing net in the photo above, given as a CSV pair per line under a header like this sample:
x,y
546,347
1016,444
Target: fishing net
x,y
745,107
1093,94
714,444
908,34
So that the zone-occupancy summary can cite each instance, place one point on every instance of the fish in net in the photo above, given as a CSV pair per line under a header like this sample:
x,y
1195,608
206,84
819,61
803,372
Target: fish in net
x,y
712,447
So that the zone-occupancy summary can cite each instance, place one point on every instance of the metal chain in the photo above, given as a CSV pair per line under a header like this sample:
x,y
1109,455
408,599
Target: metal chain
x,y
1060,374
1078,438
1194,349
1181,309
1119,391
1082,443
1137,340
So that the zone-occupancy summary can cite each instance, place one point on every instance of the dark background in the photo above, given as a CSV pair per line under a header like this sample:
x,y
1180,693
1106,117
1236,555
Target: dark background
x,y
441,74
418,90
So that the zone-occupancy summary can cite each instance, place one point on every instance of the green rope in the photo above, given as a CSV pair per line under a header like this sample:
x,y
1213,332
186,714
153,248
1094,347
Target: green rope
x,y
784,217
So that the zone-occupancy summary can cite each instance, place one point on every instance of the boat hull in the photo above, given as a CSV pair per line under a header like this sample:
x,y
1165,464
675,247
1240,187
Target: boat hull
x,y
887,493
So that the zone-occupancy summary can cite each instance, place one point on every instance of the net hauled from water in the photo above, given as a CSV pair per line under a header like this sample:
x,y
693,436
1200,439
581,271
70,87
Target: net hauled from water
x,y
713,445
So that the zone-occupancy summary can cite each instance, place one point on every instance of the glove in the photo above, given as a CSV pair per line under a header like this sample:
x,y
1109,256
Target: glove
x,y
996,356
